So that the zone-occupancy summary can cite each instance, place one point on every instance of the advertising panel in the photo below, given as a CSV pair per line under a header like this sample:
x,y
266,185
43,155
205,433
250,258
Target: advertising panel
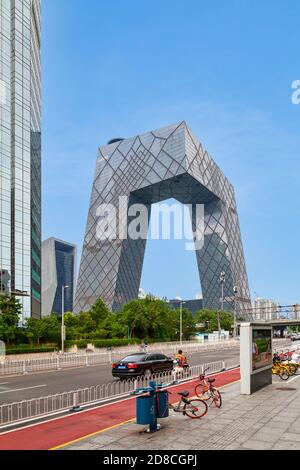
x,y
261,348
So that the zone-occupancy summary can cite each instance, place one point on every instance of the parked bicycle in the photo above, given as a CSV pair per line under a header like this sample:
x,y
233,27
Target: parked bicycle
x,y
206,391
280,369
286,358
194,408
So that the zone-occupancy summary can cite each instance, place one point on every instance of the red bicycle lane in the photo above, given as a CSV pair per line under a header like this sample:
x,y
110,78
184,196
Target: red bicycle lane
x,y
61,431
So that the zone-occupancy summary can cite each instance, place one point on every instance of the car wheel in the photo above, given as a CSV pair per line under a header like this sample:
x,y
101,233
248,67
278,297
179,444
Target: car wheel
x,y
147,373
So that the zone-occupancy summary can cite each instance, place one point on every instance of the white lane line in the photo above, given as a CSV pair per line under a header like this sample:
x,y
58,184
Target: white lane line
x,y
26,388
291,380
4,383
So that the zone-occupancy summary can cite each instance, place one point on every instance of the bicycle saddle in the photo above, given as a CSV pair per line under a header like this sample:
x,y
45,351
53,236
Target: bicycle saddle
x,y
211,380
185,393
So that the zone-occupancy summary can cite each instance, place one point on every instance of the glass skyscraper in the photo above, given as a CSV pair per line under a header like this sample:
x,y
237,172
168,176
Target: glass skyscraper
x,y
59,270
20,152
147,169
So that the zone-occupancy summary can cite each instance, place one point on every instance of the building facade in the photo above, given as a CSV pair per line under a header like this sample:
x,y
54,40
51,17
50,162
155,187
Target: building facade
x,y
20,152
193,305
146,169
295,311
266,309
58,271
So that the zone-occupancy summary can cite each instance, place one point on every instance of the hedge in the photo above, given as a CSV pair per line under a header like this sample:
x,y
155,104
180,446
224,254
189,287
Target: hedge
x,y
101,343
81,344
25,349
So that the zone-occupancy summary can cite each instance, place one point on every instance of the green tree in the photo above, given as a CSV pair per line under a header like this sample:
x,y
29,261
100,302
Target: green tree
x,y
146,318
71,320
188,324
210,320
36,329
10,311
52,325
99,312
133,316
86,324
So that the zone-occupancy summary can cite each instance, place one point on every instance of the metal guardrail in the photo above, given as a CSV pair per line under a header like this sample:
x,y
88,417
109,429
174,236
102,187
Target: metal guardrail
x,y
67,361
18,412
58,362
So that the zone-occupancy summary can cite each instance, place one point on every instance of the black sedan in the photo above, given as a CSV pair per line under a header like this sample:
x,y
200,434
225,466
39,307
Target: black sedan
x,y
141,364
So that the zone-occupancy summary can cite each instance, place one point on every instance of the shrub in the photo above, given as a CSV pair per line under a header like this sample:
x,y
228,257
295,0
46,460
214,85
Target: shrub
x,y
27,349
101,343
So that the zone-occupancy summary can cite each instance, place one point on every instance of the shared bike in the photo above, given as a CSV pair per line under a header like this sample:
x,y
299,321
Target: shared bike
x,y
206,391
194,408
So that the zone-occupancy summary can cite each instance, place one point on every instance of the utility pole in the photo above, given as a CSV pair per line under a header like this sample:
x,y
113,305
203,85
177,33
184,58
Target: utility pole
x,y
63,318
235,291
222,281
181,326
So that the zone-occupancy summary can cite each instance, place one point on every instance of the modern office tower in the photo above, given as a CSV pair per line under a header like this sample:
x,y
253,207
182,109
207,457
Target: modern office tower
x,y
58,276
146,169
266,309
20,152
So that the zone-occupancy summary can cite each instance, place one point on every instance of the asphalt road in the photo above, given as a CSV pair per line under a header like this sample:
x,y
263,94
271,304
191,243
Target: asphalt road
x,y
24,387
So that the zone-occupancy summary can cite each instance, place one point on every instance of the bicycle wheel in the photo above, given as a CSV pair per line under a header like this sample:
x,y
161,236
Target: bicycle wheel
x,y
292,369
217,399
284,374
195,409
203,395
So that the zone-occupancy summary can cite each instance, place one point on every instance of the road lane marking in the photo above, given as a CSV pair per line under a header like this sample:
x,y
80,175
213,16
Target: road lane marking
x,y
21,389
93,434
4,383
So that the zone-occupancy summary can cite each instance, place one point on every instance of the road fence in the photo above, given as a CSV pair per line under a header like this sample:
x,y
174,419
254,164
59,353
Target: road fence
x,y
26,410
67,361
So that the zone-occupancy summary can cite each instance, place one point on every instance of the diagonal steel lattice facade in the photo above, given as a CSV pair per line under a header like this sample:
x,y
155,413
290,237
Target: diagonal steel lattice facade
x,y
162,164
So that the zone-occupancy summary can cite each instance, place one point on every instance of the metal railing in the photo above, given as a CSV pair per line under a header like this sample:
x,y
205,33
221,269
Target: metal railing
x,y
66,361
34,408
268,311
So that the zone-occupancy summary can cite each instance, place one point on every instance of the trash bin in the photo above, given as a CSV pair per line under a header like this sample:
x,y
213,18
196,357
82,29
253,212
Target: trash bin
x,y
162,404
145,410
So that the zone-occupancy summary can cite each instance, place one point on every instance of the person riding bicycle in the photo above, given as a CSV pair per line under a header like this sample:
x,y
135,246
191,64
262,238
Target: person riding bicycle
x,y
181,360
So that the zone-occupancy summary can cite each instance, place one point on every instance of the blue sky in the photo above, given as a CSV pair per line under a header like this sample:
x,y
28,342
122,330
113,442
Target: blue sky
x,y
226,67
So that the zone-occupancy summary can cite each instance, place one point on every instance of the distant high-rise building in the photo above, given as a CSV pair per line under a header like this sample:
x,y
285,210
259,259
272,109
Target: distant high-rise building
x,y
192,305
266,309
20,152
295,309
58,270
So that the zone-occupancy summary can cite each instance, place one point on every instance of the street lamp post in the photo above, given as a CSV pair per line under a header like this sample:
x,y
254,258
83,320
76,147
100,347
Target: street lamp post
x,y
181,329
235,291
222,281
63,318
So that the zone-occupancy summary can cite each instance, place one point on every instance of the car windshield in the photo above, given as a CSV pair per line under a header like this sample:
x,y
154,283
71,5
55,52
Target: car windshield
x,y
134,358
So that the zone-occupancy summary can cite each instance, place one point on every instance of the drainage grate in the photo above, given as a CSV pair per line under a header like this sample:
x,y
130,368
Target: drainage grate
x,y
286,389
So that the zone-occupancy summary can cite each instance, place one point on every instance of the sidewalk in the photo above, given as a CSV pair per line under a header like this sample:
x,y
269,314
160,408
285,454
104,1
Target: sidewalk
x,y
269,419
